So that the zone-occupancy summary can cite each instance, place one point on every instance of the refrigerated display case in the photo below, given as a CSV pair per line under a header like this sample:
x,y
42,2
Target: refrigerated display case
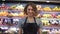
x,y
12,12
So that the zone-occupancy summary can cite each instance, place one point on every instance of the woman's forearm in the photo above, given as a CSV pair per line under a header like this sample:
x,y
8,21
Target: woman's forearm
x,y
40,31
20,31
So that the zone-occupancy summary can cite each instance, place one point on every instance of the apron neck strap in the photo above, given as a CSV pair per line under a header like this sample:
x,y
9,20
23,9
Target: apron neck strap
x,y
27,18
34,19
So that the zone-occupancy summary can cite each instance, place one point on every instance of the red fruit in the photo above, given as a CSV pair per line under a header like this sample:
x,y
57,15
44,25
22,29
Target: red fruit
x,y
54,15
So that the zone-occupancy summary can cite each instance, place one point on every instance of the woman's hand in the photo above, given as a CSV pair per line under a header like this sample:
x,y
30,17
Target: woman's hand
x,y
20,31
40,31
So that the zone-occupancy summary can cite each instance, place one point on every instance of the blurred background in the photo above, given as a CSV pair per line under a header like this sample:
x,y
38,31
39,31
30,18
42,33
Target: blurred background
x,y
11,11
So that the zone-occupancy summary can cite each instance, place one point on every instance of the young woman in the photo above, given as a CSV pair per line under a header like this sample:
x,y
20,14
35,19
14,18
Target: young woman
x,y
30,24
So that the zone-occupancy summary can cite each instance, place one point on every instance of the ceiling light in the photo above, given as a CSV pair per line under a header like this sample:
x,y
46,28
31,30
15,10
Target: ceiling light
x,y
47,1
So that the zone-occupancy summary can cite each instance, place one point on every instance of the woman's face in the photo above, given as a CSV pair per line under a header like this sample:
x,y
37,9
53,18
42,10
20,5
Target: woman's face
x,y
30,11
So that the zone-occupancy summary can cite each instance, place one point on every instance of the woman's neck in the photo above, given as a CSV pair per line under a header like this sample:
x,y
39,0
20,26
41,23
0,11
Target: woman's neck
x,y
30,17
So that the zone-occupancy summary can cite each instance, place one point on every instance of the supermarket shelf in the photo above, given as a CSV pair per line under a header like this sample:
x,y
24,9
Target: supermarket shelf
x,y
8,26
11,11
14,11
50,18
49,12
17,17
40,11
49,27
3,17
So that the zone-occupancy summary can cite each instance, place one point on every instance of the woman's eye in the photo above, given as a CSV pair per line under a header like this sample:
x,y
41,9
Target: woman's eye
x,y
30,9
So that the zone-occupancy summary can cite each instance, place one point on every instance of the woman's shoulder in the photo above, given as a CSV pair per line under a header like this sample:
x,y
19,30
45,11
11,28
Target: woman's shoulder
x,y
22,19
37,18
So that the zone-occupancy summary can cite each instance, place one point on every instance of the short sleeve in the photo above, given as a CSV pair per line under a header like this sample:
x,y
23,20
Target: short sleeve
x,y
20,23
39,23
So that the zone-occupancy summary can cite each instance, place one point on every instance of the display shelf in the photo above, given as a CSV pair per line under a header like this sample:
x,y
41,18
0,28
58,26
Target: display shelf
x,y
50,18
50,12
3,17
17,17
41,12
11,17
7,26
51,27
10,10
14,11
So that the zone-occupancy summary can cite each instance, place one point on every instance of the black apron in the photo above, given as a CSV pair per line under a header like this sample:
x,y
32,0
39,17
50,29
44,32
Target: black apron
x,y
30,28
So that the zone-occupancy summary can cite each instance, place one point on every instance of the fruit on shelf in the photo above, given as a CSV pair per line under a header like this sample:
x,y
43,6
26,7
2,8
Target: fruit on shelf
x,y
1,13
20,7
47,8
39,8
58,16
45,22
4,7
47,16
54,15
54,22
17,7
13,7
13,14
10,15
21,14
5,13
56,8
59,8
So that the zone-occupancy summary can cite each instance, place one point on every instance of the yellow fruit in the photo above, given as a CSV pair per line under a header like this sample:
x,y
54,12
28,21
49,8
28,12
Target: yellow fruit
x,y
20,7
13,7
5,13
46,22
21,14
38,7
15,14
1,13
10,15
59,8
47,16
56,8
58,16
47,8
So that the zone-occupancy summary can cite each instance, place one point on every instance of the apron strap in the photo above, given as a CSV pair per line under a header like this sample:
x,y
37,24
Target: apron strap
x,y
27,18
34,19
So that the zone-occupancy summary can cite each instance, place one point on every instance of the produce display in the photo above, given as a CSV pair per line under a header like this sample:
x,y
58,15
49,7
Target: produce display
x,y
49,14
58,16
56,8
17,10
17,7
47,8
14,14
51,31
45,22
4,7
39,7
